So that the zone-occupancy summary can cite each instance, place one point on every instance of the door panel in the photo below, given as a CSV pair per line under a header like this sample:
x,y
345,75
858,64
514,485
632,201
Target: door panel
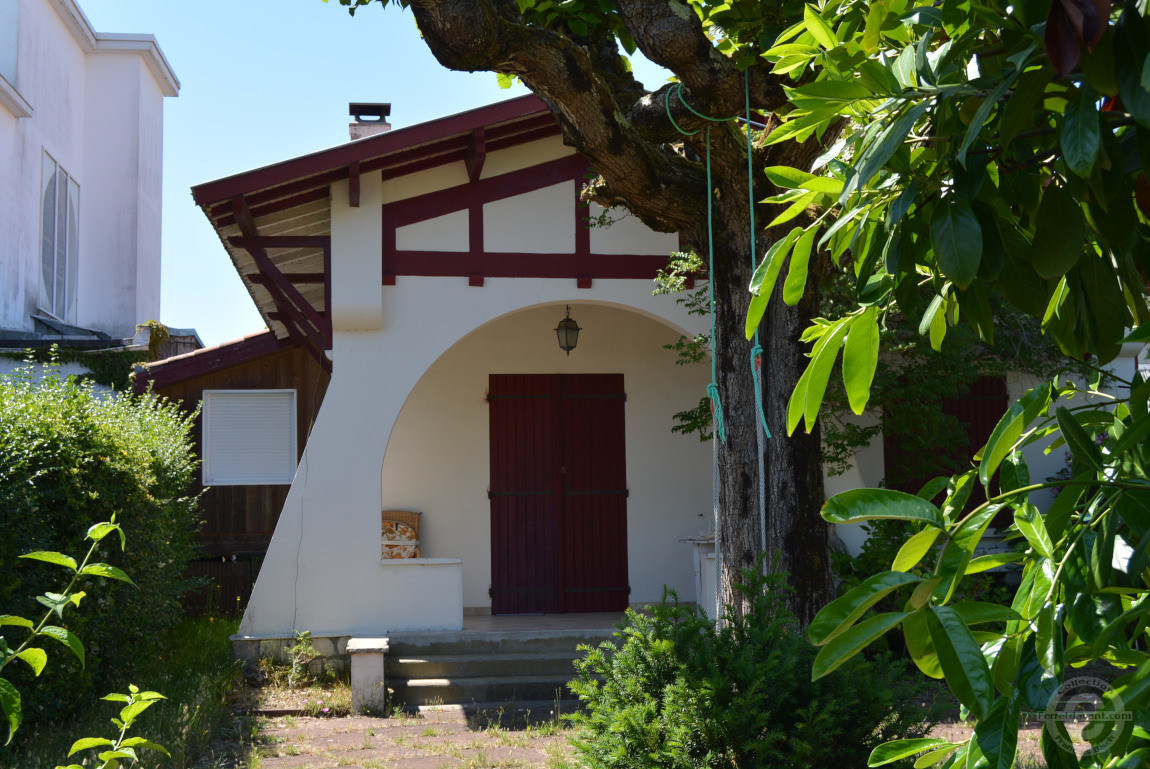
x,y
558,493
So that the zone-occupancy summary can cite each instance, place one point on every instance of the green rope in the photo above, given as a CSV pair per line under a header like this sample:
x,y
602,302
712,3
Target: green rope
x,y
757,350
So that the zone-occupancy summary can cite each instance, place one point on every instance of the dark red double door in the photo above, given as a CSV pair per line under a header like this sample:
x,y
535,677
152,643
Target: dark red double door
x,y
558,493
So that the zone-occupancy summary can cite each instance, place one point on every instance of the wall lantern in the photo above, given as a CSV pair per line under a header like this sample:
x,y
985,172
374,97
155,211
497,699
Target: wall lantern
x,y
568,333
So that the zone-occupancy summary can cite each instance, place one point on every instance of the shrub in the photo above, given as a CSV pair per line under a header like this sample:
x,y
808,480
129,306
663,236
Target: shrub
x,y
677,693
70,457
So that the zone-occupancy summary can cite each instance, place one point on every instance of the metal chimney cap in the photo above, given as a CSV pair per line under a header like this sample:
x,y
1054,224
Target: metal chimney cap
x,y
369,112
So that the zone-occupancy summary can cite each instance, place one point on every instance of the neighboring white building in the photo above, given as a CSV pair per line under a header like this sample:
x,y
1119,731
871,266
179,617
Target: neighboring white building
x,y
81,157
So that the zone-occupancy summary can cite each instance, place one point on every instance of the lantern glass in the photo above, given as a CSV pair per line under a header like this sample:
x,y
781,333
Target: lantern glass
x,y
568,332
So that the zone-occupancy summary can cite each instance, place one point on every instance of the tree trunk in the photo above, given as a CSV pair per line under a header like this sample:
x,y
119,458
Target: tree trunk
x,y
790,530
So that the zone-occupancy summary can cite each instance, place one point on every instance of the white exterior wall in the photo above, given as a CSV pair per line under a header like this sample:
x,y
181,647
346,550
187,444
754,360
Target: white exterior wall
x,y
95,104
438,460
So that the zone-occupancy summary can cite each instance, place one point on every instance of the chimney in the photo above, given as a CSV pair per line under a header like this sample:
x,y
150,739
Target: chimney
x,y
370,119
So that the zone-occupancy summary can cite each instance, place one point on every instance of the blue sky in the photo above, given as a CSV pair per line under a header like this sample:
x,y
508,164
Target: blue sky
x,y
262,82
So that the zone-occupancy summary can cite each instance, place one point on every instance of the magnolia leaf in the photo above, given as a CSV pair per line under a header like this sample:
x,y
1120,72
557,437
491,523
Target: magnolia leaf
x,y
957,239
860,358
838,616
995,740
764,279
880,504
1080,136
1059,231
967,673
895,750
1009,429
819,29
796,283
851,642
914,549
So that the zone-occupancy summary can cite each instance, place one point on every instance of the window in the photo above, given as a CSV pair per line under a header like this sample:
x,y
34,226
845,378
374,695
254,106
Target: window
x,y
249,437
59,241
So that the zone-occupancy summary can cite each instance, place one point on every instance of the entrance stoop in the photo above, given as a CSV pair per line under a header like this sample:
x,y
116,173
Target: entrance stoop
x,y
487,670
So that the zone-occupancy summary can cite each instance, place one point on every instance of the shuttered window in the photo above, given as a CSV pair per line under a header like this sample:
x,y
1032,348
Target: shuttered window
x,y
249,437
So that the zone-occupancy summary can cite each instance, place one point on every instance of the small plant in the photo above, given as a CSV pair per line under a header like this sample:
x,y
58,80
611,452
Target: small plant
x,y
677,693
26,651
301,656
123,748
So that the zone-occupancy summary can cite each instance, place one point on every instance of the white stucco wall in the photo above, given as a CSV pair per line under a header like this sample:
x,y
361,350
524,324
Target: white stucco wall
x,y
97,108
438,460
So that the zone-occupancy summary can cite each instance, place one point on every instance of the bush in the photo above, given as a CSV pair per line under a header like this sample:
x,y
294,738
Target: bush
x,y
70,457
676,693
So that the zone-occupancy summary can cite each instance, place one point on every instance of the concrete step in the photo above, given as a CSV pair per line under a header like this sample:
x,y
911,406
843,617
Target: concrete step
x,y
454,666
503,689
457,643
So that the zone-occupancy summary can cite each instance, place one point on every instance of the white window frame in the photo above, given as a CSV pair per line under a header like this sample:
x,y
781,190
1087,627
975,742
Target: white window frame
x,y
214,476
59,241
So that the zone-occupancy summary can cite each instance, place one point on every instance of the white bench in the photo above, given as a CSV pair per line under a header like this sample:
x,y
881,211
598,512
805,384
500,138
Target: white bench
x,y
368,687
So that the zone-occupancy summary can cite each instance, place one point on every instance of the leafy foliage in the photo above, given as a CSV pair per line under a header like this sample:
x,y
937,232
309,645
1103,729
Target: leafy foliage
x,y
68,460
676,693
1084,592
981,158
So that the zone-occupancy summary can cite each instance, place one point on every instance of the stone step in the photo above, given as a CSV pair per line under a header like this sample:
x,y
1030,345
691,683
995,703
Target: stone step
x,y
509,690
457,643
454,666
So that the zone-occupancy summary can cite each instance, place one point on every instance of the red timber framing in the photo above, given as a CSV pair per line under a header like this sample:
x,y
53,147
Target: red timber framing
x,y
304,323
476,263
558,493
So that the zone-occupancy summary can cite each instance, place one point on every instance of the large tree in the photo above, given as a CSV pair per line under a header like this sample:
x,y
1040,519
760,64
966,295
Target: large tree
x,y
649,149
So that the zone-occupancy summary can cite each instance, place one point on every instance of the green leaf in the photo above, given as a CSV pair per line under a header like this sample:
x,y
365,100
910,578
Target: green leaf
x,y
36,659
1014,473
1081,445
1080,136
896,750
967,673
995,740
140,742
914,549
977,612
100,530
51,557
89,742
934,756
104,570
831,90
983,112
765,276
880,504
819,29
1059,232
1009,429
838,616
1030,522
10,703
874,157
67,638
860,358
794,179
798,206
796,283
848,644
808,394
12,619
992,561
957,240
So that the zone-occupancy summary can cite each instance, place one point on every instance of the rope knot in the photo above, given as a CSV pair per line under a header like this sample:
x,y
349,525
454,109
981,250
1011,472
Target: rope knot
x,y
717,412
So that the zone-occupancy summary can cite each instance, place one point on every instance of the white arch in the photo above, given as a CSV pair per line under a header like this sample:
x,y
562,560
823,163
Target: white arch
x,y
322,571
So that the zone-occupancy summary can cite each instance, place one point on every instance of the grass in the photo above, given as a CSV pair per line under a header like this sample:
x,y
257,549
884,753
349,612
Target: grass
x,y
194,669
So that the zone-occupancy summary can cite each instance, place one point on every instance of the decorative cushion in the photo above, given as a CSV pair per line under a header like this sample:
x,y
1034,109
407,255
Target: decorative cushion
x,y
399,540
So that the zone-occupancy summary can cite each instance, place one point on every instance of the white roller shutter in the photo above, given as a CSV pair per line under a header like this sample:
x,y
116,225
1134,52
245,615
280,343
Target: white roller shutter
x,y
249,437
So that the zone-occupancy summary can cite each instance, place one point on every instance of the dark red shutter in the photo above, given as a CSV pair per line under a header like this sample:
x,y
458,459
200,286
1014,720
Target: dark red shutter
x,y
524,500
593,548
558,493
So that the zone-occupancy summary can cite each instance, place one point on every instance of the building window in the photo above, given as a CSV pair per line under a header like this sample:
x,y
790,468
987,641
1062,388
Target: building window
x,y
59,241
249,437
